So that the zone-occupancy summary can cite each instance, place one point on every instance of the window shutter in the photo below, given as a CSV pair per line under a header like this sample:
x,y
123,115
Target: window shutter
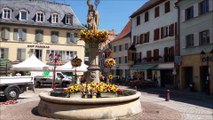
x,y
148,37
19,54
5,33
39,36
141,38
54,37
6,53
24,34
68,37
72,37
15,34
162,33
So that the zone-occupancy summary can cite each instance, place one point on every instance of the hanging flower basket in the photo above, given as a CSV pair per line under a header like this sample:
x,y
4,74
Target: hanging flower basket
x,y
109,62
90,36
76,62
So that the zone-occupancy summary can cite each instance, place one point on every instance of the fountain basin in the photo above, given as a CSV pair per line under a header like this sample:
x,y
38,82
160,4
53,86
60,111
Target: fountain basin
x,y
99,108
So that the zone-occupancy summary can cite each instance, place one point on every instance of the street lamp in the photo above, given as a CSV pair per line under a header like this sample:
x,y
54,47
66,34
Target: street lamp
x,y
55,58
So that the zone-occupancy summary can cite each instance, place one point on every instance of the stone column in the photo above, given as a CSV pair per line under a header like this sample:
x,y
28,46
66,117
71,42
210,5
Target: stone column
x,y
93,69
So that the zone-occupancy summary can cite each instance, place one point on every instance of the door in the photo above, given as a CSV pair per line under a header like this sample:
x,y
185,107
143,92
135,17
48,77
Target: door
x,y
204,82
188,76
166,78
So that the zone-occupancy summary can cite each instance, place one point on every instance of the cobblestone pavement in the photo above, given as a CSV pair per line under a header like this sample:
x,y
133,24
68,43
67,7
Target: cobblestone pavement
x,y
189,111
154,108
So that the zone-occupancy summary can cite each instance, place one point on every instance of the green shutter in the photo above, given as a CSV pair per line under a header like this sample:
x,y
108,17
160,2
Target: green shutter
x,y
15,34
24,34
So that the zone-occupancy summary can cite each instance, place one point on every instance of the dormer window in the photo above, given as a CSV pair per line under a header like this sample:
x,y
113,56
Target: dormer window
x,y
23,15
39,17
55,18
7,13
68,19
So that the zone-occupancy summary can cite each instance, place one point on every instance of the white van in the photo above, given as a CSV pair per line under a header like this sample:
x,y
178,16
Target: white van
x,y
46,78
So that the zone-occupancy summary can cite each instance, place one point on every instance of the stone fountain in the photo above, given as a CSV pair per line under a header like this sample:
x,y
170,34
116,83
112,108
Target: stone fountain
x,y
75,107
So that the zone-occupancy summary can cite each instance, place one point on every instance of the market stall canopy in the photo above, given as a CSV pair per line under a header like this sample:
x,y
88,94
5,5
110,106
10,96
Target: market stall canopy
x,y
68,67
31,64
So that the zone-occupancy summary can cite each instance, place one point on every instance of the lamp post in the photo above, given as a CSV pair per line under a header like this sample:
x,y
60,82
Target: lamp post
x,y
55,58
206,58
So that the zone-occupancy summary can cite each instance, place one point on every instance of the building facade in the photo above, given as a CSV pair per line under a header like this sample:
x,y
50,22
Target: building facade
x,y
196,44
153,34
120,46
39,27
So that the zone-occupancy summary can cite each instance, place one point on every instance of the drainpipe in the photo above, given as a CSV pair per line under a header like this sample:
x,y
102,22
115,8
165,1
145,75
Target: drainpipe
x,y
177,47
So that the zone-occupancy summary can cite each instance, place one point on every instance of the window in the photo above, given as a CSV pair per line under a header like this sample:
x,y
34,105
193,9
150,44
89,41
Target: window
x,y
19,34
39,35
4,53
54,36
189,13
120,47
5,33
156,34
204,38
71,38
7,13
21,54
167,7
39,17
190,40
126,46
171,30
146,17
114,49
69,19
119,60
146,37
23,15
164,31
138,20
55,18
125,59
156,54
149,56
203,7
166,54
157,11
134,39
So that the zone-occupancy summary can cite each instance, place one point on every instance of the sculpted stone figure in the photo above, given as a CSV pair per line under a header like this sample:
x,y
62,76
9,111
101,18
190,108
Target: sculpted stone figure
x,y
92,17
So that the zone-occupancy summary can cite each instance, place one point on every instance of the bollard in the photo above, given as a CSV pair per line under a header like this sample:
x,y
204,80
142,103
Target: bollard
x,y
135,87
167,95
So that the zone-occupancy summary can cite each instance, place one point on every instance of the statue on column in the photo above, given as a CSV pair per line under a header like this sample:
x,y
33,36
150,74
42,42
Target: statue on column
x,y
92,16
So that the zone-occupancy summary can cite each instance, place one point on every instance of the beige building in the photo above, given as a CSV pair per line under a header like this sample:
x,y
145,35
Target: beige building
x,y
39,27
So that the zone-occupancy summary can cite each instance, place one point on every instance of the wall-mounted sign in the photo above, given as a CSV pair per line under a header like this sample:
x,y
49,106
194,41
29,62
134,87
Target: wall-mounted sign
x,y
207,59
38,46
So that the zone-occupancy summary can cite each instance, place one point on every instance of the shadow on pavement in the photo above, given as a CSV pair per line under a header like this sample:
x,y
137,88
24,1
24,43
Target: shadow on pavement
x,y
193,98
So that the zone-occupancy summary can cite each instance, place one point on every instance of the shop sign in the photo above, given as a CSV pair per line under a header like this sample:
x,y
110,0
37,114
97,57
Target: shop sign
x,y
38,46
207,59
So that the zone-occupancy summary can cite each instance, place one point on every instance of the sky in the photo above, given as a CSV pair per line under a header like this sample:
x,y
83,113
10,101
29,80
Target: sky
x,y
114,14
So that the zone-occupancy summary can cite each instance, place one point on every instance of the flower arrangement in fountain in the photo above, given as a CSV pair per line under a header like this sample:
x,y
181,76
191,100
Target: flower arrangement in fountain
x,y
94,36
92,88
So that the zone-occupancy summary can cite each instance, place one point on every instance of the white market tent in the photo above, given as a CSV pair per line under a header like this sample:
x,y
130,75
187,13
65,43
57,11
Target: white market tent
x,y
30,64
68,67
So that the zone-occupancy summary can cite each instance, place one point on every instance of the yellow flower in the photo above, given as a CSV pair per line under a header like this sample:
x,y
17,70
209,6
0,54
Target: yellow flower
x,y
110,76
